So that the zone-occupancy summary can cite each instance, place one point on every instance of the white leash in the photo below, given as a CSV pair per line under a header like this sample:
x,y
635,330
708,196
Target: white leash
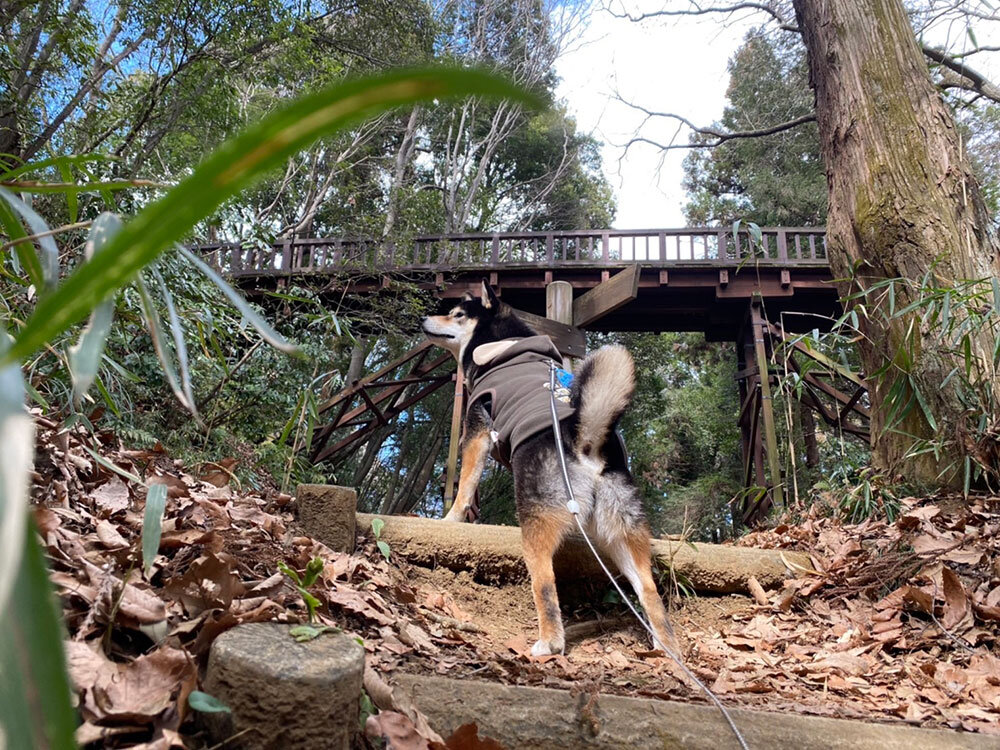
x,y
573,507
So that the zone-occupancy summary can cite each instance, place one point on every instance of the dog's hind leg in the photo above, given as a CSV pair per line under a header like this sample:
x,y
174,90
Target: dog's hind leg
x,y
541,533
630,551
476,444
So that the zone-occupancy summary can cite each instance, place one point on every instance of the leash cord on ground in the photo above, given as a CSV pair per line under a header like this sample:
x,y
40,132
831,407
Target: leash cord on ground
x,y
574,508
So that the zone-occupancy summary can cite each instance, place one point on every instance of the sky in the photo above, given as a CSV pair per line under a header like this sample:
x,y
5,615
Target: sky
x,y
676,64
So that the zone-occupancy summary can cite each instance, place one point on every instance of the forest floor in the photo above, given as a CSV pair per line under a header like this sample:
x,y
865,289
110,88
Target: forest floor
x,y
897,622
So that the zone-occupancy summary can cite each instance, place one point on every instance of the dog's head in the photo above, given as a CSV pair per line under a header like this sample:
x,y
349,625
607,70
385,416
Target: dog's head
x,y
455,330
474,321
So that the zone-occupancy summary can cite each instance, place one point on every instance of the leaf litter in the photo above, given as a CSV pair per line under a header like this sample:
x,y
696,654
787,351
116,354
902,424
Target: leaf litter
x,y
897,622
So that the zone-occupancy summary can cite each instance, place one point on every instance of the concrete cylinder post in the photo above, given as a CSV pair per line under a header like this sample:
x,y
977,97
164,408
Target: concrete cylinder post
x,y
282,693
559,307
326,513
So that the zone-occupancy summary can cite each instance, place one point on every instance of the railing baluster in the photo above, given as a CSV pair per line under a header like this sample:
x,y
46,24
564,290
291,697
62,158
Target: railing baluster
x,y
779,247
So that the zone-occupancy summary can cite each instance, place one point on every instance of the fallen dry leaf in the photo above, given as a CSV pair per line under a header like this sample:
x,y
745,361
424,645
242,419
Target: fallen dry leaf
x,y
397,730
466,737
957,610
111,497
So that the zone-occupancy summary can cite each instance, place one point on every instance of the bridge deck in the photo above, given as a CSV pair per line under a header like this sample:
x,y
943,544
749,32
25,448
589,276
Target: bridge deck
x,y
699,246
692,279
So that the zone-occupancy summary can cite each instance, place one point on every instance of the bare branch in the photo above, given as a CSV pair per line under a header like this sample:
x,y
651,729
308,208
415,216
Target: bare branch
x,y
720,136
973,80
961,75
696,10
976,51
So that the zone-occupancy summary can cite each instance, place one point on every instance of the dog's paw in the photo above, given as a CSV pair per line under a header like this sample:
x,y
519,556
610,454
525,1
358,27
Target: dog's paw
x,y
455,517
544,648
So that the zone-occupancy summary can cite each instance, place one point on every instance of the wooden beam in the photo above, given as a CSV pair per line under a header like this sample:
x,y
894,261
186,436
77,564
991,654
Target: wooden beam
x,y
456,436
759,329
569,340
607,297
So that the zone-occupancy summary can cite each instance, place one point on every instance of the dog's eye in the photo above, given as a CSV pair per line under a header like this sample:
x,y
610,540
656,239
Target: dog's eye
x,y
458,314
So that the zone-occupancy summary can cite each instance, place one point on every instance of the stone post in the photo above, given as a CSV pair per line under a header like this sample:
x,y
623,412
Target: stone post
x,y
326,513
283,693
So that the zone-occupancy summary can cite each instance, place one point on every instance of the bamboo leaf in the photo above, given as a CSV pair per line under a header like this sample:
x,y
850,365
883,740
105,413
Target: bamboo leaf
x,y
292,420
85,356
180,346
25,250
112,467
17,438
49,253
35,709
72,189
923,406
72,200
264,328
71,160
159,346
152,523
234,166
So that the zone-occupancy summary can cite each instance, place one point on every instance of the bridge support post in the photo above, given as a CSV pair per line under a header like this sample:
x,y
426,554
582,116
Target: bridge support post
x,y
559,306
457,412
762,481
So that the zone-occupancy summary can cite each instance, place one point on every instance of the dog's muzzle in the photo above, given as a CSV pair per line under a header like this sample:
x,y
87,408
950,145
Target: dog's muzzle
x,y
432,334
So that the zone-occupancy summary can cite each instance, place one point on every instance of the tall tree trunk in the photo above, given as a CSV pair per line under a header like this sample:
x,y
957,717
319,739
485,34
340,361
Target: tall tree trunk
x,y
808,422
903,203
356,367
416,485
403,158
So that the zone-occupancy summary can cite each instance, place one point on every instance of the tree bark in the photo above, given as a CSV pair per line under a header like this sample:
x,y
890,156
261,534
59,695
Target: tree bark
x,y
403,158
808,422
903,203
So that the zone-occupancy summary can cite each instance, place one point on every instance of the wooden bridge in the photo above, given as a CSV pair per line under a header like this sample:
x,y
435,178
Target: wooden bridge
x,y
754,290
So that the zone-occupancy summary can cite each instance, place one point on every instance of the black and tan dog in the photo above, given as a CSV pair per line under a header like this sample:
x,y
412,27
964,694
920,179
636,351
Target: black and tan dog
x,y
506,365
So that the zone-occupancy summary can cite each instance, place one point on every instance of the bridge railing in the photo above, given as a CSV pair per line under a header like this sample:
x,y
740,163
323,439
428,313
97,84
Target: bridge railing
x,y
778,246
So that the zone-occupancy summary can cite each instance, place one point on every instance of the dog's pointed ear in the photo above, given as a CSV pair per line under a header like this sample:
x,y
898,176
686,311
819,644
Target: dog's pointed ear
x,y
489,298
468,297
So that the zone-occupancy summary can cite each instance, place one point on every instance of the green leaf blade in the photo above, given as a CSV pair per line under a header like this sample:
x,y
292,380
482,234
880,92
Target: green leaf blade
x,y
207,704
85,356
35,708
152,523
236,165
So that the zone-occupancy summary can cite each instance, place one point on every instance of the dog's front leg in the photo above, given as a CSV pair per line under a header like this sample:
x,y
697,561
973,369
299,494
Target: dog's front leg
x,y
475,448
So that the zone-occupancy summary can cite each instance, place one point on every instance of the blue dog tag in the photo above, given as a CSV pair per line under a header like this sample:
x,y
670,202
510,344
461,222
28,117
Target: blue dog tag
x,y
564,377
